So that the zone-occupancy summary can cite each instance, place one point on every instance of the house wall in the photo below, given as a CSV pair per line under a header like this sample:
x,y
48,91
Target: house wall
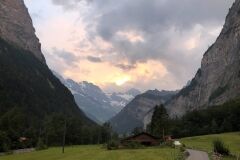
x,y
143,139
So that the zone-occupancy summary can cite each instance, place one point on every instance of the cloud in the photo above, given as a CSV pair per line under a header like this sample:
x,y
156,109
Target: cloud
x,y
94,59
125,67
126,33
71,5
67,4
68,57
173,32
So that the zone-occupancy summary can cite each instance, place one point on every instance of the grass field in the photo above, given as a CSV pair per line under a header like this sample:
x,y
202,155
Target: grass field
x,y
232,140
96,153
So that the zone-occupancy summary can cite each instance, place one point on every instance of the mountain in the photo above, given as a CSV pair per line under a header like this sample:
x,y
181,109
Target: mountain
x,y
96,104
120,100
132,116
218,79
16,27
29,93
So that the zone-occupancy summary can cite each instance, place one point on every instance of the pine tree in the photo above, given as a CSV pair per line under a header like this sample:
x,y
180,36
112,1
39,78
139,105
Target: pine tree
x,y
214,126
160,121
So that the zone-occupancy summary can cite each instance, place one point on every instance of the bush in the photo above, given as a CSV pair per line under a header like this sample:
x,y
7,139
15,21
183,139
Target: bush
x,y
220,148
40,145
4,142
134,145
112,145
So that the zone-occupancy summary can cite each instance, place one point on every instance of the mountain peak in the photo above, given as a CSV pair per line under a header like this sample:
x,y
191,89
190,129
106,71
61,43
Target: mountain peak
x,y
16,27
133,92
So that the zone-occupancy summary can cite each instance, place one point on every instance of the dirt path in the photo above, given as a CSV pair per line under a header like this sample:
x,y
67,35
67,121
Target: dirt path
x,y
197,155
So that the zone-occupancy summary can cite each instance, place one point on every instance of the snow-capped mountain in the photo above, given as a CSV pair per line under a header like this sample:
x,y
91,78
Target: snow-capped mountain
x,y
96,104
120,100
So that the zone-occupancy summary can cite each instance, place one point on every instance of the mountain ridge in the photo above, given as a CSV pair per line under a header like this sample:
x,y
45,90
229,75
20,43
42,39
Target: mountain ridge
x,y
16,27
97,105
132,116
218,79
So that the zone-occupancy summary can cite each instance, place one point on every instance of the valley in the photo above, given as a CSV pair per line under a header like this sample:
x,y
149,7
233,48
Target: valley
x,y
93,152
87,91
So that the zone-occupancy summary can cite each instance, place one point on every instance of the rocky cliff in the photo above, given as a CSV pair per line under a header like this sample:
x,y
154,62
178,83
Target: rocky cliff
x,y
16,27
132,116
218,79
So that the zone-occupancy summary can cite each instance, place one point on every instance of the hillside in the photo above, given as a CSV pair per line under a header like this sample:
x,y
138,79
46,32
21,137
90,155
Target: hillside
x,y
33,102
96,104
218,79
132,116
16,27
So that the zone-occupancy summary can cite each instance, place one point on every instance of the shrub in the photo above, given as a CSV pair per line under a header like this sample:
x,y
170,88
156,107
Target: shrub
x,y
40,145
112,145
220,148
4,142
134,145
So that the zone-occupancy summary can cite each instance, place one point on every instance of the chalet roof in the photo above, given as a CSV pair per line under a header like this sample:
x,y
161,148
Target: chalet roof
x,y
143,133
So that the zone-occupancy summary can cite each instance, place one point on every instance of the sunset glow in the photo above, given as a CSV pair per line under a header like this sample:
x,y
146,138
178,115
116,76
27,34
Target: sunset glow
x,y
125,44
122,80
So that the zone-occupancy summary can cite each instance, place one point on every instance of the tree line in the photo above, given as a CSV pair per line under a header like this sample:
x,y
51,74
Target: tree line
x,y
14,126
215,119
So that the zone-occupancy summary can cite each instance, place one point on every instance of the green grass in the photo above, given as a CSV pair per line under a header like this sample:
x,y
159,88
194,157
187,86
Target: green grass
x,y
232,141
96,153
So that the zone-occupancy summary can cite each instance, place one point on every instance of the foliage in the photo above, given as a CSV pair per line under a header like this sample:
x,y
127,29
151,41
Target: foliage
x,y
223,118
179,156
160,121
220,148
134,145
232,140
4,142
137,130
112,145
40,145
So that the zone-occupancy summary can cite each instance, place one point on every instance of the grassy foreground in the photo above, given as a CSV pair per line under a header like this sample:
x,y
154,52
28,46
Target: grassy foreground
x,y
96,153
232,141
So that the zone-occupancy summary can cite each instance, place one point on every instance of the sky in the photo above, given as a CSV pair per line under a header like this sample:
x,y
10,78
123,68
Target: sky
x,y
118,45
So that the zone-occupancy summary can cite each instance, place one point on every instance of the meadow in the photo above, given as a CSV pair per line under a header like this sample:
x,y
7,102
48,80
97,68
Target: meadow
x,y
97,152
232,141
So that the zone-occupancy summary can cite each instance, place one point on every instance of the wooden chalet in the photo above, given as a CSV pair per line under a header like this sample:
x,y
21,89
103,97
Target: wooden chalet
x,y
142,138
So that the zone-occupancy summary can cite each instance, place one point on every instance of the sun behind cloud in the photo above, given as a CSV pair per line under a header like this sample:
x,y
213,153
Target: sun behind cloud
x,y
122,80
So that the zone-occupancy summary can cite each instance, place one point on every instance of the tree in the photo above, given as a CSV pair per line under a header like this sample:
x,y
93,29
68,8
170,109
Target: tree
x,y
214,126
137,130
106,132
160,121
226,126
4,142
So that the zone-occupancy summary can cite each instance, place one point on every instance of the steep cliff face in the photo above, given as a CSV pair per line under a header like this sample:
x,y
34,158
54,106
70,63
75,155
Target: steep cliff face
x,y
132,116
218,79
29,93
16,27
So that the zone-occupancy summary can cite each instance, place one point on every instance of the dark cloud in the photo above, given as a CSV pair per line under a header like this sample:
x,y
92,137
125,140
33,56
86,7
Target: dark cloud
x,y
163,24
69,4
68,57
94,59
125,67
